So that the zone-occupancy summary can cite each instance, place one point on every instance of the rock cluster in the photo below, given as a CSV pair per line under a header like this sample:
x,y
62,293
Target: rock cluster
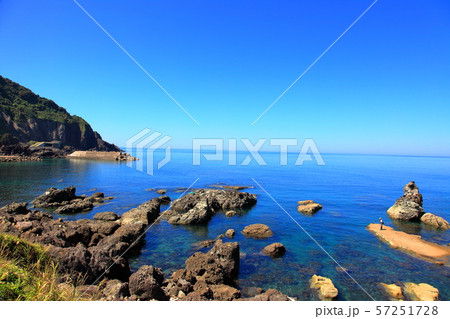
x,y
308,207
197,207
66,201
411,291
409,208
85,248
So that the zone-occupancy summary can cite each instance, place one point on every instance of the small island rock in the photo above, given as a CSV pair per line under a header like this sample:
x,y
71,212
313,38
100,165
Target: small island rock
x,y
257,231
275,250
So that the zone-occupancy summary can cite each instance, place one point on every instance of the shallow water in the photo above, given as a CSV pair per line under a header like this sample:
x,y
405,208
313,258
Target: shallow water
x,y
354,190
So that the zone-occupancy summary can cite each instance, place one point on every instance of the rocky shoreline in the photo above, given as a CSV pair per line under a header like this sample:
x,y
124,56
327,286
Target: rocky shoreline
x,y
93,253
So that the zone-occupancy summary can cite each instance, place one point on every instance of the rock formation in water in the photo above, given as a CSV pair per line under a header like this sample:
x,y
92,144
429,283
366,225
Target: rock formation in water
x,y
409,206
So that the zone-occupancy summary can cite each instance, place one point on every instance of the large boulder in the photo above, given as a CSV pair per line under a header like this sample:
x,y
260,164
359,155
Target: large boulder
x,y
394,291
421,292
257,231
325,287
218,199
144,214
54,197
199,214
409,206
308,207
220,265
435,221
275,250
146,284
15,208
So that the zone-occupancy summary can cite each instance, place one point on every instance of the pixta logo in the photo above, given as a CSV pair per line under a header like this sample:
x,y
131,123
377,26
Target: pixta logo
x,y
143,146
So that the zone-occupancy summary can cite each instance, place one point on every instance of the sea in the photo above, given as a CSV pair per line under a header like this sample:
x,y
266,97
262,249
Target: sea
x,y
355,190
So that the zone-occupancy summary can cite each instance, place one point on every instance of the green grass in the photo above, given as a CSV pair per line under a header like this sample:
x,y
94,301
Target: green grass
x,y
27,272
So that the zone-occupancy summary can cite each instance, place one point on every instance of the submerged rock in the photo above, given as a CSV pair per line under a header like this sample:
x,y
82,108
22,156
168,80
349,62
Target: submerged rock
x,y
409,206
326,288
257,231
230,213
435,221
421,292
275,250
106,216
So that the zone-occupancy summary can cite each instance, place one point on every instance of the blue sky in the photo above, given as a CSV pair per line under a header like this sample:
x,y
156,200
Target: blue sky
x,y
384,88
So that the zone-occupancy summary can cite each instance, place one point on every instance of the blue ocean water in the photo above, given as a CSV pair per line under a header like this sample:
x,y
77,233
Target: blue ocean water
x,y
355,190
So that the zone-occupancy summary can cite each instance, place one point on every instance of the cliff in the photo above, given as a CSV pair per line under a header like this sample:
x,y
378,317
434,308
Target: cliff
x,y
29,117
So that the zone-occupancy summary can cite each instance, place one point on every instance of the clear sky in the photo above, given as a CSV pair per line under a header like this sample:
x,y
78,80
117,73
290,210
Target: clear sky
x,y
383,88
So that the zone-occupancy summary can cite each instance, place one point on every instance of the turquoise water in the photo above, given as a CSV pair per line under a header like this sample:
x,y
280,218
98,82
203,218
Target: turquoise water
x,y
354,190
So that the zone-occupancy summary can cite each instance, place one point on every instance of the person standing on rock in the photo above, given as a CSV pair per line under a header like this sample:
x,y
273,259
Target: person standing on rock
x,y
381,224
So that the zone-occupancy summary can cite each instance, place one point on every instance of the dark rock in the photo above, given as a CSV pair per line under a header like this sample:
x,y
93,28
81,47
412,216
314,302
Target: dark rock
x,y
275,250
218,266
15,208
165,200
205,243
54,197
106,216
146,283
75,207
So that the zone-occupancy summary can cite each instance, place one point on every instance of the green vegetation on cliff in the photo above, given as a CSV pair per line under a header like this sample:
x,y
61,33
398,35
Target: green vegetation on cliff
x,y
21,103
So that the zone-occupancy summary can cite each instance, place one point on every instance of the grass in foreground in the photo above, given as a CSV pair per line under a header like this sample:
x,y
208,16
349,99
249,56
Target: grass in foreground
x,y
27,272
